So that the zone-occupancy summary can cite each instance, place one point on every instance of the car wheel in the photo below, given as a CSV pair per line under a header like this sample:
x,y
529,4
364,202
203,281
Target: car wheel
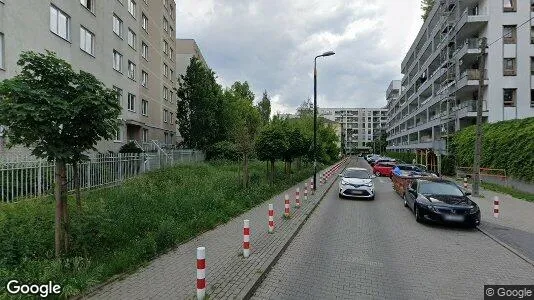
x,y
377,174
372,198
405,202
418,217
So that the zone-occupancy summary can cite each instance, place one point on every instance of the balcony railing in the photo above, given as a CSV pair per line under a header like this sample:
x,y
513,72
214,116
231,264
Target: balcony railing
x,y
473,74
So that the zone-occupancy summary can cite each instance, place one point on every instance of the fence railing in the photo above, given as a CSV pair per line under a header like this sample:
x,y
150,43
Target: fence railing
x,y
28,177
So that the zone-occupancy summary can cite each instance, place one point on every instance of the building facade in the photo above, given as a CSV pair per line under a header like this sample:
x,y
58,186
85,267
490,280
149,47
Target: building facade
x,y
439,89
129,45
359,126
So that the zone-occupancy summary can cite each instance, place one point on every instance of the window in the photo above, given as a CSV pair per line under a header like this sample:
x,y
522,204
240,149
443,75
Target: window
x,y
1,50
172,75
131,7
132,38
532,34
131,70
165,47
509,67
171,96
144,23
510,97
118,135
166,134
131,102
87,41
119,94
509,6
165,93
171,54
165,25
165,70
145,135
144,78
89,4
171,31
144,107
170,118
117,61
509,34
59,23
531,98
117,26
165,113
532,65
144,50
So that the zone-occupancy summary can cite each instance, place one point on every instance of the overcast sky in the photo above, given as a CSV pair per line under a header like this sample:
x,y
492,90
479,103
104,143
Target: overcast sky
x,y
272,43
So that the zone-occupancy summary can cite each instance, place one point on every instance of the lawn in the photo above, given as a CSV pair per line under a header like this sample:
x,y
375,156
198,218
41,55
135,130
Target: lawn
x,y
121,228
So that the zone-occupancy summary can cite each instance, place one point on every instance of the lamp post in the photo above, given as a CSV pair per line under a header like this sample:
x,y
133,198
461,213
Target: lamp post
x,y
329,53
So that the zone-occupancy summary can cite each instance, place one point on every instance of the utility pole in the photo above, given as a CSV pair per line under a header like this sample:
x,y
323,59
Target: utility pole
x,y
478,143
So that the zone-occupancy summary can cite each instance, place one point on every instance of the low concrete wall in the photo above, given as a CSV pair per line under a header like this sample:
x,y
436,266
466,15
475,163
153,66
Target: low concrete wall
x,y
511,182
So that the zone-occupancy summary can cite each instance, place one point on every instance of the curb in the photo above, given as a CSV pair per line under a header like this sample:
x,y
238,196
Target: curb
x,y
250,289
506,246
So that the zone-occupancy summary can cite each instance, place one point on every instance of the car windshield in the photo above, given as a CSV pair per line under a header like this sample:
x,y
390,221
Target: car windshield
x,y
361,174
439,188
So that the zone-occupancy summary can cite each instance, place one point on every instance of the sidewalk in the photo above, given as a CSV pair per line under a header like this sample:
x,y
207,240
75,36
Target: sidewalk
x,y
228,274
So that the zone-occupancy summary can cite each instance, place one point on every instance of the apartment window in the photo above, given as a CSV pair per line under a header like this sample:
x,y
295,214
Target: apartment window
x,y
87,41
165,25
89,4
144,23
144,78
510,67
509,5
117,61
171,31
166,134
531,98
131,70
118,135
172,75
1,50
119,94
171,96
509,34
165,113
144,107
510,97
532,34
171,55
170,118
165,93
165,47
145,135
131,102
144,52
165,70
117,26
131,7
59,22
532,65
132,38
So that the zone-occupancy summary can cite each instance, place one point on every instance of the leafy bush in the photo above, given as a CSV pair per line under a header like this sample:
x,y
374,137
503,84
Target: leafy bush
x,y
130,147
121,228
224,150
507,145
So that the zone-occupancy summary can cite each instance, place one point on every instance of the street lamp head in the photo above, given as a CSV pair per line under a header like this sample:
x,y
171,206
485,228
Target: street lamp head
x,y
328,53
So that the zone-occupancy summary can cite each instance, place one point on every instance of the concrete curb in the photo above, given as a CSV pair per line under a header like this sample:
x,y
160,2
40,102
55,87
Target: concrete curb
x,y
249,290
506,246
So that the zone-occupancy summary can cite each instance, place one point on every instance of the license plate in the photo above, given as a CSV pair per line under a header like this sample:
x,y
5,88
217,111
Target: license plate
x,y
454,218
356,192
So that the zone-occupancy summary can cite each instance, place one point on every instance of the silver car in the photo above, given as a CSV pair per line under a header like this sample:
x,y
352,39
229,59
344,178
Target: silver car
x,y
357,183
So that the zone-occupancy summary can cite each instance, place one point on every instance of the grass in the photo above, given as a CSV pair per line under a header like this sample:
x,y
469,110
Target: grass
x,y
122,228
508,190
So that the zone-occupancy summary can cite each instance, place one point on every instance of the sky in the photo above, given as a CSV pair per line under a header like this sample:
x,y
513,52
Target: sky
x,y
272,44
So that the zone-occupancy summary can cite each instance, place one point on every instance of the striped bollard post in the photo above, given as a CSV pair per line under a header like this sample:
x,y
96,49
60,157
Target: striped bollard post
x,y
312,190
465,182
305,191
271,218
201,273
246,238
286,206
496,207
297,198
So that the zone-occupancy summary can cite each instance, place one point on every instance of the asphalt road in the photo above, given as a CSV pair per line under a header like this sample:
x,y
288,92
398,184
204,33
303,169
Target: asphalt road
x,y
359,249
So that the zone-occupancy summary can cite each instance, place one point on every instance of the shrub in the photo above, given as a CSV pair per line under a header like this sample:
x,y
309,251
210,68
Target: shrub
x,y
222,151
130,147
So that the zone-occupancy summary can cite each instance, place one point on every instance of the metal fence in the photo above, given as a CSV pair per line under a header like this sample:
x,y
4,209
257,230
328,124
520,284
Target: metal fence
x,y
25,177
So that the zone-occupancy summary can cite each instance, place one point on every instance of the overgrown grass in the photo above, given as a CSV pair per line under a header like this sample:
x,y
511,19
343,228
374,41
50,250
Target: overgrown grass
x,y
123,227
508,190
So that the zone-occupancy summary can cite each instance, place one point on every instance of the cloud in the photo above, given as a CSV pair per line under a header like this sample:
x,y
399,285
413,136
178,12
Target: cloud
x,y
272,44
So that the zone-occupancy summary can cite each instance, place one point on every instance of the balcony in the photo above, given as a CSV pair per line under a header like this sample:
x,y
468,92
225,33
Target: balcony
x,y
469,46
468,79
468,109
472,20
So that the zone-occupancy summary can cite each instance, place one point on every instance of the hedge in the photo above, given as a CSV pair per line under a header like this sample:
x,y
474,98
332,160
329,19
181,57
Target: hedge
x,y
507,145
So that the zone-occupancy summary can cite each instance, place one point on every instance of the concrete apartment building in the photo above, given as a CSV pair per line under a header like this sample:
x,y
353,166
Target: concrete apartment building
x,y
129,45
439,90
359,126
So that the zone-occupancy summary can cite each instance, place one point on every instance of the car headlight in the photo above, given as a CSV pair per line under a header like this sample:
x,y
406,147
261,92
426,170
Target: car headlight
x,y
370,184
343,182
473,210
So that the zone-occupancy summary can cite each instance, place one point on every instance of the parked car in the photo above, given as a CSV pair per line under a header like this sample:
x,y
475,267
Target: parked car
x,y
373,159
423,169
382,160
383,169
358,183
368,157
442,201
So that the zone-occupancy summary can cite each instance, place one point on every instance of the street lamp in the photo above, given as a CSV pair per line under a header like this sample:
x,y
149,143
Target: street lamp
x,y
329,53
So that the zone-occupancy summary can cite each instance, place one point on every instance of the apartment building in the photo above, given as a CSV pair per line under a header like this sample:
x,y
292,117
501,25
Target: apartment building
x,y
439,89
359,126
129,45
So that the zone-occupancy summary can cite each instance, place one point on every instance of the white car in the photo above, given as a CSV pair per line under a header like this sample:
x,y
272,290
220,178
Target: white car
x,y
357,183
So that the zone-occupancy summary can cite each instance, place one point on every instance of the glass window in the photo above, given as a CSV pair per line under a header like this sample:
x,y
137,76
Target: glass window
x,y
170,118
144,23
1,50
59,22
165,112
145,135
131,70
165,93
509,34
119,94
532,65
87,40
131,7
509,6
531,98
89,4
118,135
132,38
131,102
509,66
165,47
165,70
144,107
510,97
165,24
144,78
117,61
144,51
117,25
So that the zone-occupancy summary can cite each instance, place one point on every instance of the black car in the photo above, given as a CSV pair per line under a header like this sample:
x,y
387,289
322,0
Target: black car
x,y
442,201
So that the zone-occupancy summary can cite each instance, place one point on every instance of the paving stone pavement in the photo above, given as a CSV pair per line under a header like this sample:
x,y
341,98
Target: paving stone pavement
x,y
228,274
351,249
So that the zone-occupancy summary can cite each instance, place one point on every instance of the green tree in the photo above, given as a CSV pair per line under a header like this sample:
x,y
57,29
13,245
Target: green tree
x,y
242,90
200,113
426,7
264,107
305,108
270,145
59,114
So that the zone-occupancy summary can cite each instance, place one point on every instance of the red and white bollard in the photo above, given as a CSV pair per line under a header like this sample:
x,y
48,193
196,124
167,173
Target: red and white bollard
x,y
305,191
297,198
465,182
286,206
312,190
201,273
496,207
246,238
271,218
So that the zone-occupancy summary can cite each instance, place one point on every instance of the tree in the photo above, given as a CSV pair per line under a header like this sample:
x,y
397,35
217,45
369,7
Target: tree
x,y
59,114
306,108
242,90
200,112
270,144
264,107
426,7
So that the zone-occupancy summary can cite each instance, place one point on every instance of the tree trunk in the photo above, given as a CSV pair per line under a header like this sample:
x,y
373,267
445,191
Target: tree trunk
x,y
76,175
245,171
273,173
61,222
